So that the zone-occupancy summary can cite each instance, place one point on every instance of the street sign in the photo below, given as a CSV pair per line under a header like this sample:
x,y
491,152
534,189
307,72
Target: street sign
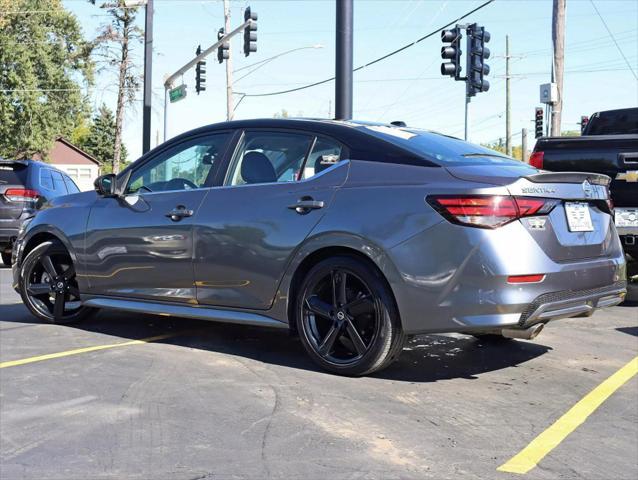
x,y
178,93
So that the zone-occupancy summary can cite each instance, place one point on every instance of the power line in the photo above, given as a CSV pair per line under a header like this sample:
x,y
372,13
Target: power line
x,y
614,39
377,60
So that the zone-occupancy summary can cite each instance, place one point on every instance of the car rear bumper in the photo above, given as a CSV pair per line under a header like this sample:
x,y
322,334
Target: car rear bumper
x,y
455,279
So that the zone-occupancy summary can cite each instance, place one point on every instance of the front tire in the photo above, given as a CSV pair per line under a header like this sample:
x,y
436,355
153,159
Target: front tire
x,y
347,318
48,285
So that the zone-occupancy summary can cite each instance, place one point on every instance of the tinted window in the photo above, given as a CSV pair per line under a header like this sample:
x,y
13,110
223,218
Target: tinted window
x,y
614,122
13,174
183,167
71,187
58,183
324,154
440,149
267,157
46,180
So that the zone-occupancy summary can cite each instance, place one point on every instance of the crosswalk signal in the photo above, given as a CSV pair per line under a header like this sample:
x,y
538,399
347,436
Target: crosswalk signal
x,y
477,69
584,120
200,73
451,52
538,122
250,32
223,51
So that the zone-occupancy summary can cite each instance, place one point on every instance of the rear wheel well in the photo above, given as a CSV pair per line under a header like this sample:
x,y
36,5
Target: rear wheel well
x,y
313,259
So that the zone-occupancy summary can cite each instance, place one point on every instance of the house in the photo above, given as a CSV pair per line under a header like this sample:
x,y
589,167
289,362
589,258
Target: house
x,y
77,164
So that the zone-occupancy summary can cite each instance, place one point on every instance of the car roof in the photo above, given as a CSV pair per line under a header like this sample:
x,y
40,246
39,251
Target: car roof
x,y
30,163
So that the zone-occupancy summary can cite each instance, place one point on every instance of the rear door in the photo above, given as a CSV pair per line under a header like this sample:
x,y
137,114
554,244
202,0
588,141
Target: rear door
x,y
278,186
13,179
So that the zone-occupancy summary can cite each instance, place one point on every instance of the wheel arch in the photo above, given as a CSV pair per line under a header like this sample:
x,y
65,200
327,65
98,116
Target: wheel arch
x,y
320,248
44,233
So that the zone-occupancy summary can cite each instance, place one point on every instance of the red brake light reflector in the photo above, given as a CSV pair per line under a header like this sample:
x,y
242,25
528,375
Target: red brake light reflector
x,y
536,159
489,211
525,278
21,195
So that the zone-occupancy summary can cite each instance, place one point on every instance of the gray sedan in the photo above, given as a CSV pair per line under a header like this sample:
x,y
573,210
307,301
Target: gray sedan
x,y
352,235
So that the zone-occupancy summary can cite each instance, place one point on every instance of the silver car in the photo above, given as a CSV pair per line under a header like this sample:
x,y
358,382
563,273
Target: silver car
x,y
352,235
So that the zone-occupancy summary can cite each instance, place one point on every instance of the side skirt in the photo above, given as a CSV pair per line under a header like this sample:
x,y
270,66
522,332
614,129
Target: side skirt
x,y
186,311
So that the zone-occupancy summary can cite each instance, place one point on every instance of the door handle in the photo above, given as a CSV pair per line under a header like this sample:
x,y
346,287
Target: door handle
x,y
179,212
306,204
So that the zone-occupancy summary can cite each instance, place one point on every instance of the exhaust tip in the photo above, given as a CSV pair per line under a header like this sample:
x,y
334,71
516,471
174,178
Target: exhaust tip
x,y
528,334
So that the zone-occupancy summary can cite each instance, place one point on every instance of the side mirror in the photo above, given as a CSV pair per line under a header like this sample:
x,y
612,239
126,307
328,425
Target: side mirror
x,y
105,185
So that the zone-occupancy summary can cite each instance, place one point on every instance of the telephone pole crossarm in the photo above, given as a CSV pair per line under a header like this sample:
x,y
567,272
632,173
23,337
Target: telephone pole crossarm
x,y
213,48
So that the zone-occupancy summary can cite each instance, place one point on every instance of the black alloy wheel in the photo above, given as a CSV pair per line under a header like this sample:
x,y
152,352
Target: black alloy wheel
x,y
347,318
48,285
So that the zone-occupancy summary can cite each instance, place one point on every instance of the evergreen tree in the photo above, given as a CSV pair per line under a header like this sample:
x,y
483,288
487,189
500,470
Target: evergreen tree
x,y
100,139
44,62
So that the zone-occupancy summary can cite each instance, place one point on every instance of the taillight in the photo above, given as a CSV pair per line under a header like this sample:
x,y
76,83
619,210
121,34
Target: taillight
x,y
489,211
536,159
21,195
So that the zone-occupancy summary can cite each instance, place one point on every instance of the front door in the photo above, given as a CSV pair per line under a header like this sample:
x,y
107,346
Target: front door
x,y
278,186
141,245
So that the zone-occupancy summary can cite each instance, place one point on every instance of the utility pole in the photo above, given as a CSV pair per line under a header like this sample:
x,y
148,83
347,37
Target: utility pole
x,y
524,154
148,76
558,41
343,66
508,102
229,66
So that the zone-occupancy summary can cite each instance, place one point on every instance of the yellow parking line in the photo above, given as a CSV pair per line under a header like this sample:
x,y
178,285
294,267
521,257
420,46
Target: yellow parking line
x,y
529,457
40,358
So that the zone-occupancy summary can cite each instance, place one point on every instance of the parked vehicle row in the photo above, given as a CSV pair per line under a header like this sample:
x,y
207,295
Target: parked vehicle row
x,y
24,185
352,235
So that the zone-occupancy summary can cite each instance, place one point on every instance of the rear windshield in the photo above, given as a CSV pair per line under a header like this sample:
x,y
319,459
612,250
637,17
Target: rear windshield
x,y
13,174
613,122
440,149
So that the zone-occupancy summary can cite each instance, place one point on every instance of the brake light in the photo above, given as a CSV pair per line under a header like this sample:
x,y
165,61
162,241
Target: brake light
x,y
21,195
489,211
536,159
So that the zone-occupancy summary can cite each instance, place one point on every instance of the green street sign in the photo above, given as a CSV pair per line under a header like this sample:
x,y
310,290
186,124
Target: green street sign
x,y
178,93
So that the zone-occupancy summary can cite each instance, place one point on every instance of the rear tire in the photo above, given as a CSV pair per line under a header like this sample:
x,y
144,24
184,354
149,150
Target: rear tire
x,y
48,286
347,318
6,258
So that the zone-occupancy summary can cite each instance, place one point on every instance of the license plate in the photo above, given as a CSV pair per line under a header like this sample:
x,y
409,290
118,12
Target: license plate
x,y
578,217
626,217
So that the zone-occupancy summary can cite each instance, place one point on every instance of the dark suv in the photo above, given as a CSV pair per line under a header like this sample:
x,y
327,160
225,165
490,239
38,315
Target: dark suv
x,y
25,184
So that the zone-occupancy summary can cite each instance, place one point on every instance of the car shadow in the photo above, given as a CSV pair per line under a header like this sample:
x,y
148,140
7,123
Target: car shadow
x,y
426,358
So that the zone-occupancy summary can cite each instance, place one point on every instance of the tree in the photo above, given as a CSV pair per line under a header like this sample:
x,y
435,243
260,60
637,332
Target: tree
x,y
44,63
114,48
499,146
100,139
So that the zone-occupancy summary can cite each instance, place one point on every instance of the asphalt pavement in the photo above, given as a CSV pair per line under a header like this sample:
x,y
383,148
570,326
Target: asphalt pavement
x,y
208,401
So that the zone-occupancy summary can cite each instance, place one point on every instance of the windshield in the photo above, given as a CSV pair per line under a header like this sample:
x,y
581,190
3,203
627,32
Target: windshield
x,y
440,149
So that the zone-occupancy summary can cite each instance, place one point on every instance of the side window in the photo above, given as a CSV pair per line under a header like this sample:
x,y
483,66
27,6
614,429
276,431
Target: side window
x,y
58,183
268,157
184,167
46,181
71,187
324,154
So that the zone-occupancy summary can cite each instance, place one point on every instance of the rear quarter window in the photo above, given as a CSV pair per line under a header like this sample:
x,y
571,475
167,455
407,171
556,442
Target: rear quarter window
x,y
13,174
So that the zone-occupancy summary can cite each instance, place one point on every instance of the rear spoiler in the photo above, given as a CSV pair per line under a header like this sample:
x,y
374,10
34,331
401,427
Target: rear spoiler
x,y
569,177
24,163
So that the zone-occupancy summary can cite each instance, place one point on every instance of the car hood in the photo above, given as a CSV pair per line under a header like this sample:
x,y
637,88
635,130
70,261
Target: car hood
x,y
491,174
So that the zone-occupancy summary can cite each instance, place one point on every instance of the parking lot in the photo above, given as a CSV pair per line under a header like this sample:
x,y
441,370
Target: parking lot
x,y
197,400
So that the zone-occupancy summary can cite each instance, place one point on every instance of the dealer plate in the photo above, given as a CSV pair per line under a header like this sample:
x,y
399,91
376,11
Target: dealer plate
x,y
578,217
626,217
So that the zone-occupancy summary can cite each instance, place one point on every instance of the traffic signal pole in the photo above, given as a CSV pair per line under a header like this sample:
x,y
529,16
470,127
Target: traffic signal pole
x,y
343,66
148,71
229,66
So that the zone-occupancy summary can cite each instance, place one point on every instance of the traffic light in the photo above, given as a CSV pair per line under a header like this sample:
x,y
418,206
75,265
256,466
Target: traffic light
x,y
451,52
538,122
477,69
223,51
584,120
250,32
200,73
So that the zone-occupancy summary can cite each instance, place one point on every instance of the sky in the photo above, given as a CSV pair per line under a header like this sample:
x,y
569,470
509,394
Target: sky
x,y
407,86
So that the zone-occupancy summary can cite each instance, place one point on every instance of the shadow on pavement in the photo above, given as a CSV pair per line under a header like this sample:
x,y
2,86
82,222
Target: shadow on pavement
x,y
427,358
629,330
